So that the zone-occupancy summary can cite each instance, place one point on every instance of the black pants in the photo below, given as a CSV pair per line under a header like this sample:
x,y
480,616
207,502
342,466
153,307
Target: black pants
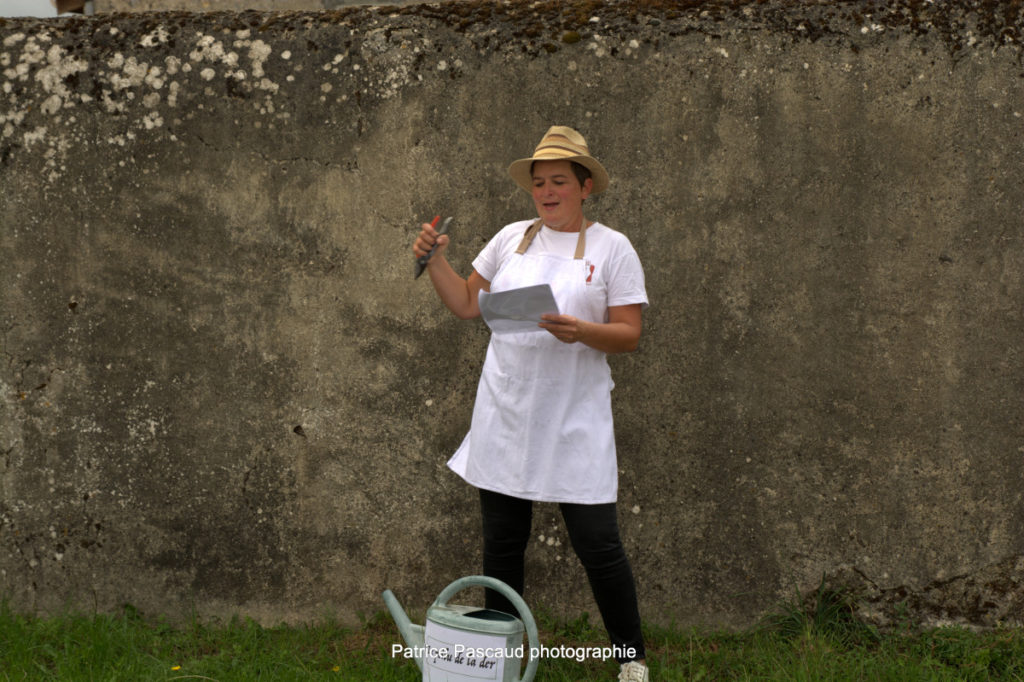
x,y
594,534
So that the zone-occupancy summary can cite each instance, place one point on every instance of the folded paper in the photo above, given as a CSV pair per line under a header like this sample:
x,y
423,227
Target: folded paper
x,y
517,310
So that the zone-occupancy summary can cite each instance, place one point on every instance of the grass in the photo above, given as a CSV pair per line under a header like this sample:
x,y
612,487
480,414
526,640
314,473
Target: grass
x,y
814,638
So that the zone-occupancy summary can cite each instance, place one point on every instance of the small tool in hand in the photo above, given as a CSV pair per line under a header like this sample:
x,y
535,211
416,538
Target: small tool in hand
x,y
421,262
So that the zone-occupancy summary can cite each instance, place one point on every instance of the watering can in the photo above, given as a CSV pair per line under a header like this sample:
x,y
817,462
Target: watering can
x,y
467,643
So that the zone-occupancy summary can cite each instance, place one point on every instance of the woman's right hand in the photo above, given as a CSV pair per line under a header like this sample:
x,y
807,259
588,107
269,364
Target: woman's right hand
x,y
427,239
459,295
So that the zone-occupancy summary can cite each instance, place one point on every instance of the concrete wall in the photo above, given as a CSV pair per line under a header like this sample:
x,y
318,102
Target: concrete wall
x,y
221,387
110,6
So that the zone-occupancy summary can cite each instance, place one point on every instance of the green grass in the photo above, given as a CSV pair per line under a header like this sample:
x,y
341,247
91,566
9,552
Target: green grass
x,y
814,638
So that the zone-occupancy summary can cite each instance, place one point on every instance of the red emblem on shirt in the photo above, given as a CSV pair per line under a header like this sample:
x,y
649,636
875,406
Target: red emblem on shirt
x,y
590,273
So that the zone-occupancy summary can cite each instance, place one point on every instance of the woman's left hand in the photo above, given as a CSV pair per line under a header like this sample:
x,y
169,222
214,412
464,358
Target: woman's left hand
x,y
565,328
620,334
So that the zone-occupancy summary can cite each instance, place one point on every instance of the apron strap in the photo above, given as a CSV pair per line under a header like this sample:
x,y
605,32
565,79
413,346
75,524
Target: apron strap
x,y
532,231
528,236
581,241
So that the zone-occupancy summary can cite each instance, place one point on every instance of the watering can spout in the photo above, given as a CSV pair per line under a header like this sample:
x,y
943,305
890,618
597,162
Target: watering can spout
x,y
412,634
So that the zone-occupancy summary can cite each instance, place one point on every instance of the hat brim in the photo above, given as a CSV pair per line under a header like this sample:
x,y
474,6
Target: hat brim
x,y
520,171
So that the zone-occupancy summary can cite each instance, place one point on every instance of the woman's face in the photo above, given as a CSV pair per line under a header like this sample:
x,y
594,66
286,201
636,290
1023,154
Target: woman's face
x,y
558,195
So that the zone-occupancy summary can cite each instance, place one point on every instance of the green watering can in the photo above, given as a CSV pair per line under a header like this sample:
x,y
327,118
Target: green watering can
x,y
467,643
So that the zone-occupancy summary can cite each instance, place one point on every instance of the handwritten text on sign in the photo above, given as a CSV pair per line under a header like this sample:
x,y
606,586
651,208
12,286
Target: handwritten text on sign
x,y
465,655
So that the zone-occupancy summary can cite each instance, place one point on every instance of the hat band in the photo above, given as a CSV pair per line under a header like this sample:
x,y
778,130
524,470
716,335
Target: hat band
x,y
558,152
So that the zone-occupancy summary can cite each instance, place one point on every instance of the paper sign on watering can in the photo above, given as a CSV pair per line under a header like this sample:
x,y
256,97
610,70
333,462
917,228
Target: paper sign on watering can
x,y
467,643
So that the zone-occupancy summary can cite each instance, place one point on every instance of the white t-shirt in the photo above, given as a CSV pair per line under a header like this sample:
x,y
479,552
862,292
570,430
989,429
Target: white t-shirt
x,y
615,262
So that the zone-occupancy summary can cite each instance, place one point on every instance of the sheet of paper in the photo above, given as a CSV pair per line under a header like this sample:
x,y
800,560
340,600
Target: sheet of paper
x,y
517,310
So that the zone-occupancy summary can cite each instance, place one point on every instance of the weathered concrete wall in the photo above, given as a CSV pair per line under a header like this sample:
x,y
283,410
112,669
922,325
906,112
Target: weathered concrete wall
x,y
108,6
220,385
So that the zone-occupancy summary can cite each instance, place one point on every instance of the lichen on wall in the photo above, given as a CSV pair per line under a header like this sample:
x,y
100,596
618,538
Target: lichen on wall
x,y
155,79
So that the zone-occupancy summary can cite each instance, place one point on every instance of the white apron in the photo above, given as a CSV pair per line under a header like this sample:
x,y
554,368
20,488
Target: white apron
x,y
542,420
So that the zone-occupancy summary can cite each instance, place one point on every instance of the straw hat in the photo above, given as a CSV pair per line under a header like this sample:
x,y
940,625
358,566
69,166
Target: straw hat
x,y
560,144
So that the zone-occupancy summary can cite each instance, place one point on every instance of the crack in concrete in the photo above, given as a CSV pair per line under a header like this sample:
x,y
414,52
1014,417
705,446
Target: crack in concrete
x,y
351,166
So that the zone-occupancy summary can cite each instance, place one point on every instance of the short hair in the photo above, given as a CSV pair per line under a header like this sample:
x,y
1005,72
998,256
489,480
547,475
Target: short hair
x,y
581,172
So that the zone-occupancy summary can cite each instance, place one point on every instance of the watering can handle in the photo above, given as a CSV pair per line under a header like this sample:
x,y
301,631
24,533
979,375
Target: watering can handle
x,y
524,612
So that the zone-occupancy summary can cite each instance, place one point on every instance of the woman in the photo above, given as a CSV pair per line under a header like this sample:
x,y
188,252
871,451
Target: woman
x,y
542,421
